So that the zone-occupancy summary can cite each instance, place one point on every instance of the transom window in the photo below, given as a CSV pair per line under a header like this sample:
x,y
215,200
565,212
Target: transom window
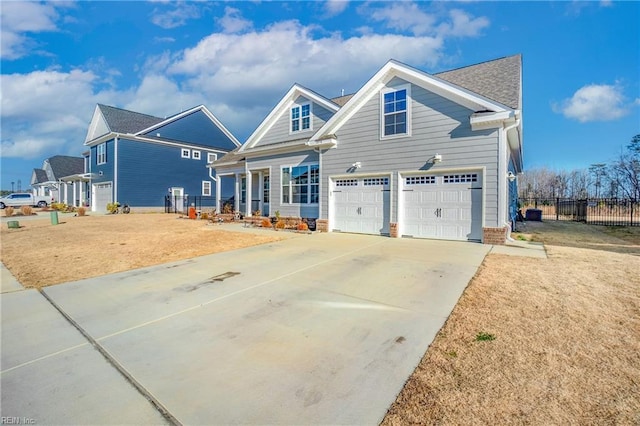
x,y
347,182
301,184
466,178
376,181
395,112
101,157
301,117
420,180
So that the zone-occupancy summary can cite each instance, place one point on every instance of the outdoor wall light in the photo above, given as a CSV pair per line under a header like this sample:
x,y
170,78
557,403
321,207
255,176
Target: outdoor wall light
x,y
435,159
511,176
356,165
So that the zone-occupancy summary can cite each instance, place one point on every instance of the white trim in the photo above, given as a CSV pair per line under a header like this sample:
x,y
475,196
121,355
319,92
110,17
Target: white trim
x,y
185,153
393,89
210,155
299,107
283,106
115,170
432,83
205,184
291,203
196,154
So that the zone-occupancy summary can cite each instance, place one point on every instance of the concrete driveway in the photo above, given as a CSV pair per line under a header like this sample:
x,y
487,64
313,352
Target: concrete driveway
x,y
318,329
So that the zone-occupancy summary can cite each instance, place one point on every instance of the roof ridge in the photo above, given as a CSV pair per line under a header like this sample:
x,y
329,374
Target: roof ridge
x,y
478,63
129,111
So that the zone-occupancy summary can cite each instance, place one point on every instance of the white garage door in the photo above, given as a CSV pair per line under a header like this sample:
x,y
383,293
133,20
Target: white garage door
x,y
102,195
446,206
361,205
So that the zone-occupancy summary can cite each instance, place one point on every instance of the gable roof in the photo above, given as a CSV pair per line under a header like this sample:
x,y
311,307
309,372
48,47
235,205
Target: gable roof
x,y
124,121
283,107
63,165
38,176
499,79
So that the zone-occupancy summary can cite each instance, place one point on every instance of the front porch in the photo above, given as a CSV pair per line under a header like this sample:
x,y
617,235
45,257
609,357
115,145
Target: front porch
x,y
251,192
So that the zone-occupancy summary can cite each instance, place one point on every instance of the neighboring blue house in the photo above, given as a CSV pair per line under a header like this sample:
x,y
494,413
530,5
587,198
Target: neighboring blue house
x,y
138,159
410,154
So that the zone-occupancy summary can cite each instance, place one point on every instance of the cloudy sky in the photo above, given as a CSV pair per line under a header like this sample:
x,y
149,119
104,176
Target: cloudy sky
x,y
59,59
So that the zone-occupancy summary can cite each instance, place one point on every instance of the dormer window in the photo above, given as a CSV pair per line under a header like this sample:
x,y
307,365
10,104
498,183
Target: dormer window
x,y
301,117
395,113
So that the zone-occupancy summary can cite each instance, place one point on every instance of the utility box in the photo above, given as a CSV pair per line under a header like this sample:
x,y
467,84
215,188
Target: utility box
x,y
534,215
54,217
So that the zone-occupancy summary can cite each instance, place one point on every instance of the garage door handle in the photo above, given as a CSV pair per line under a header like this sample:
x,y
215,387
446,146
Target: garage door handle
x,y
437,212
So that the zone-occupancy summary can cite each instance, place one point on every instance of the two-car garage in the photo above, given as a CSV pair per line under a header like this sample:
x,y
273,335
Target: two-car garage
x,y
440,206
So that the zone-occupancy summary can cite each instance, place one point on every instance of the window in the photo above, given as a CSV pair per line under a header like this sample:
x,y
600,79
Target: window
x,y
376,181
243,190
420,180
395,112
195,154
460,178
301,117
206,188
265,189
211,157
301,184
186,153
101,154
347,182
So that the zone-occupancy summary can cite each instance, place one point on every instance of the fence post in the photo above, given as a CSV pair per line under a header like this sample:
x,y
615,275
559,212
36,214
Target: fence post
x,y
557,208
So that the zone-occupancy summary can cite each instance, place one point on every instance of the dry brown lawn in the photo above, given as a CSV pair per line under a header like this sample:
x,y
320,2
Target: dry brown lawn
x,y
567,338
40,254
566,328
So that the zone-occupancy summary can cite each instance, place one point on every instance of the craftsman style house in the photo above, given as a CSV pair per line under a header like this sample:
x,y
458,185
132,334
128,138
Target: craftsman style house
x,y
52,180
138,159
409,155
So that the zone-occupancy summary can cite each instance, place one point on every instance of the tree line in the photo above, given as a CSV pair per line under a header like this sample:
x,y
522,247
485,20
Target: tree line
x,y
619,178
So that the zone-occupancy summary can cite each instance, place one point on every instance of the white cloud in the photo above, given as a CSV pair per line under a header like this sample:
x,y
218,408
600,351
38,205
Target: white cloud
x,y
595,102
21,17
407,16
463,25
335,7
46,110
233,22
176,17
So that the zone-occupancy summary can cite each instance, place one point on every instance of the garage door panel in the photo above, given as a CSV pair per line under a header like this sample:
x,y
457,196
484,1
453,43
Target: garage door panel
x,y
361,205
442,206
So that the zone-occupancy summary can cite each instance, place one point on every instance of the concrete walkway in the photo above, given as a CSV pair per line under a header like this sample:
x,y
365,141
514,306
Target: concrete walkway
x,y
8,283
320,329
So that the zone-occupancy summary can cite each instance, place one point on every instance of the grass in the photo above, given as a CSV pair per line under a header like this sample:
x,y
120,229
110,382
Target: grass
x,y
569,338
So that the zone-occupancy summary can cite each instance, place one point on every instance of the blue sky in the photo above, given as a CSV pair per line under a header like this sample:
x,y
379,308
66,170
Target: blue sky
x,y
59,59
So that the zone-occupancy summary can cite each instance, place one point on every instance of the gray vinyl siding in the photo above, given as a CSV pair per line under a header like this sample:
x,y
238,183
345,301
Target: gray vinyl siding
x,y
276,163
438,125
279,132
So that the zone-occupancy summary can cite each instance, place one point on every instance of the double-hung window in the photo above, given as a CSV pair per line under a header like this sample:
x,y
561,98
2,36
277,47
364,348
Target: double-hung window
x,y
206,188
301,117
301,184
101,156
395,112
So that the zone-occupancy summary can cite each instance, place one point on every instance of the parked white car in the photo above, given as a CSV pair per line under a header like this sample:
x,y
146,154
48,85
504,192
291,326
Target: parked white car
x,y
18,199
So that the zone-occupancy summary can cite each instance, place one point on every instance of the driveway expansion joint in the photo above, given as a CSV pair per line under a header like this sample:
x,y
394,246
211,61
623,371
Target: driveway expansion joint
x,y
113,362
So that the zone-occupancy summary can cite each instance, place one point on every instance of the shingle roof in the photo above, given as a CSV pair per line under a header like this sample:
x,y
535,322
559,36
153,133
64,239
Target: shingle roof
x,y
498,79
341,100
124,121
40,175
63,165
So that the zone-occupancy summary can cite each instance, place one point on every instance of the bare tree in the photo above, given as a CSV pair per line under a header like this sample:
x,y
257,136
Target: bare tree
x,y
627,170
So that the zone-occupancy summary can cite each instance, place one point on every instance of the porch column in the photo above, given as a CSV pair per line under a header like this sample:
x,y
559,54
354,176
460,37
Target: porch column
x,y
75,194
236,199
261,192
248,202
218,193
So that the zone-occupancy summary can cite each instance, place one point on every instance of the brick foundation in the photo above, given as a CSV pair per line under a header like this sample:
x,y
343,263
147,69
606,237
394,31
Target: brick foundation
x,y
497,236
393,230
322,225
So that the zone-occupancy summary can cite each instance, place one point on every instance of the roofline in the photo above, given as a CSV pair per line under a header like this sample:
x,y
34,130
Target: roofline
x,y
188,112
284,102
113,135
393,69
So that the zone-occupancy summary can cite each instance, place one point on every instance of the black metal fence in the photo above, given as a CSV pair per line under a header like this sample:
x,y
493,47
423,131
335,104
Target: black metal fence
x,y
595,211
181,204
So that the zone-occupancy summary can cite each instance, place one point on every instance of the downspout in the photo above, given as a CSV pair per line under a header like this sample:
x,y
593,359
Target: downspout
x,y
115,170
503,175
